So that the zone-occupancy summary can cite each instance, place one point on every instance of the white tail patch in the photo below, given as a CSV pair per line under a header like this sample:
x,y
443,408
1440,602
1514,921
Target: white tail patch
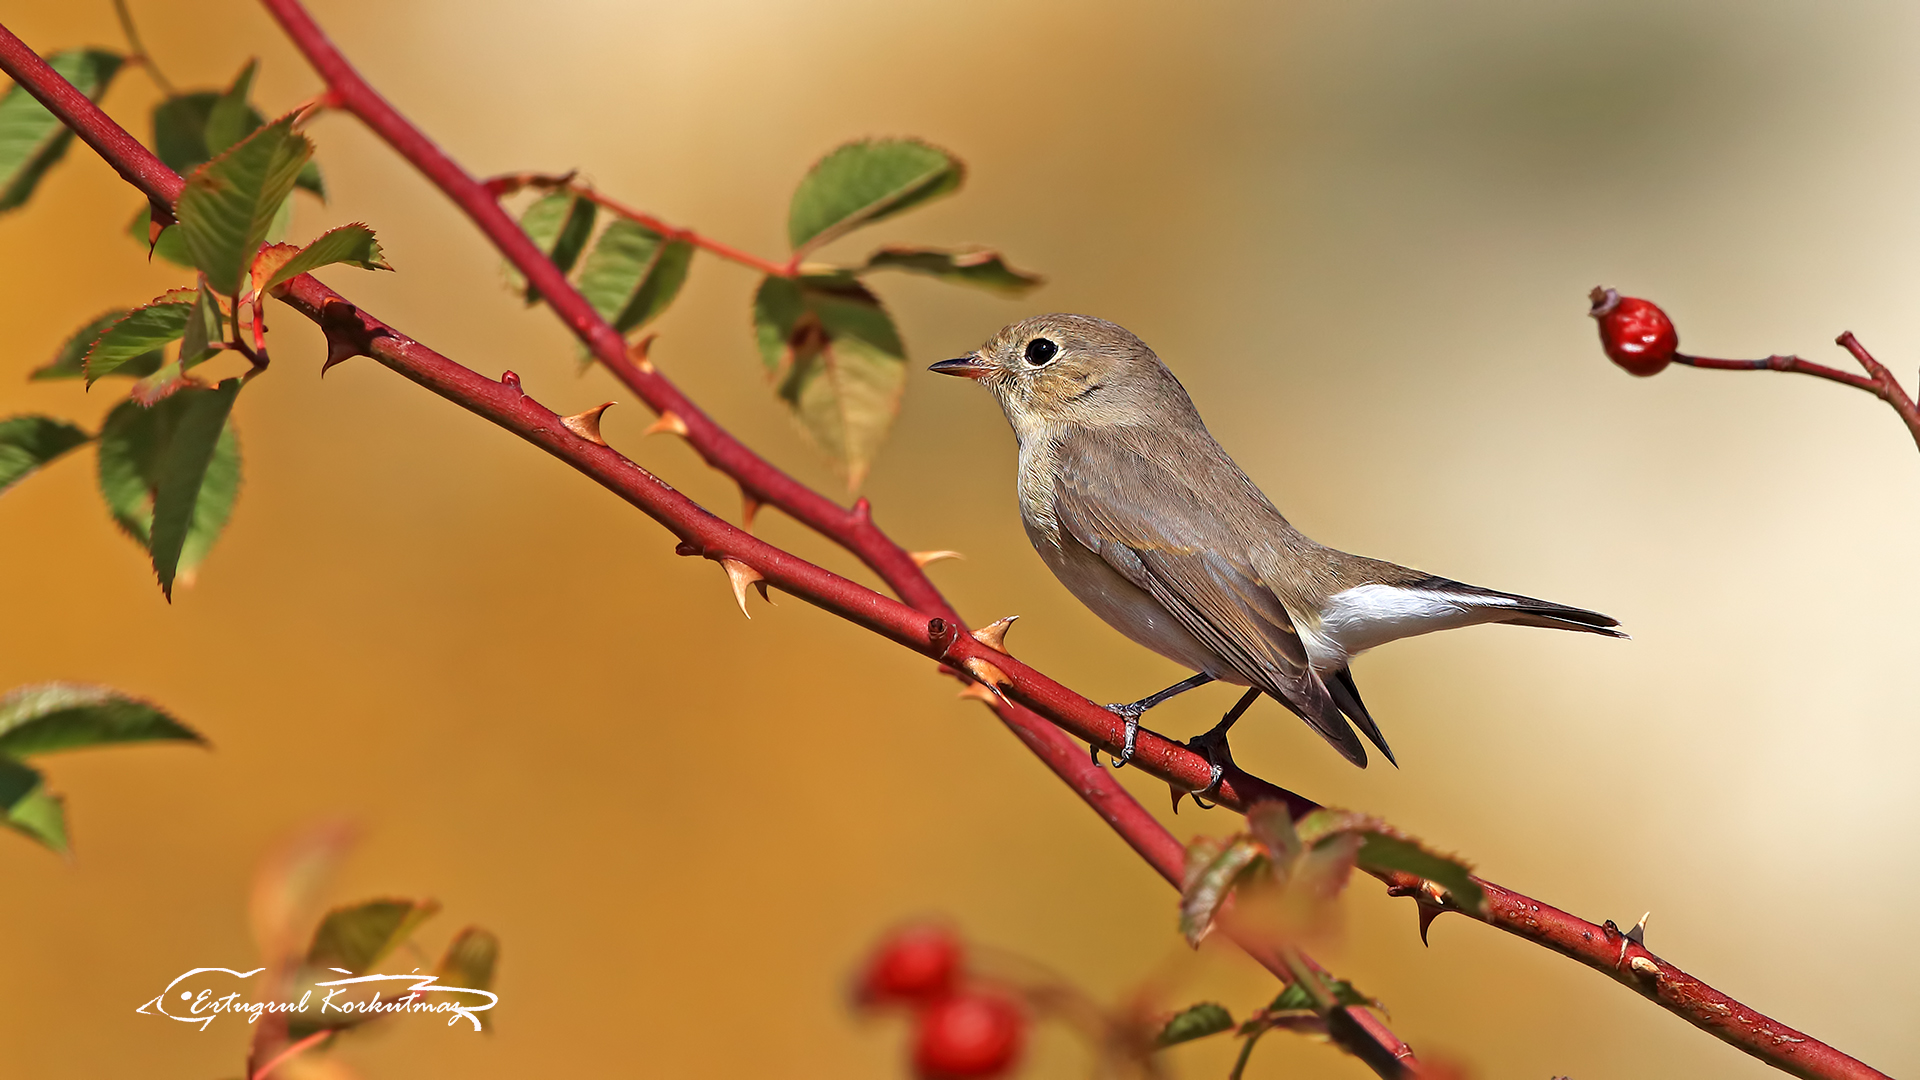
x,y
1364,616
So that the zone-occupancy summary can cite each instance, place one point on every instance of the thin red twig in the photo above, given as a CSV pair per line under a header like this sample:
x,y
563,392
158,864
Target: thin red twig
x,y
511,182
1878,381
355,331
292,1051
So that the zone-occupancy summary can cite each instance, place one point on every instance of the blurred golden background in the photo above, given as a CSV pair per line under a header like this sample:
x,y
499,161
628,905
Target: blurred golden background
x,y
1361,232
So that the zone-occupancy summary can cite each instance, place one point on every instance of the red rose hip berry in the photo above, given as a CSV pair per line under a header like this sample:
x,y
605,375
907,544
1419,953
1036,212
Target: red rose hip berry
x,y
968,1035
917,964
1636,334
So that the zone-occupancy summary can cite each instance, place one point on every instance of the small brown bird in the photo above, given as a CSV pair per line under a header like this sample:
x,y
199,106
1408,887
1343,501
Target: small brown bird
x,y
1141,514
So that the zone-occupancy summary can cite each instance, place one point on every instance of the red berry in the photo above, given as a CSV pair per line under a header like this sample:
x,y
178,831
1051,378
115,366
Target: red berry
x,y
972,1034
917,964
1636,335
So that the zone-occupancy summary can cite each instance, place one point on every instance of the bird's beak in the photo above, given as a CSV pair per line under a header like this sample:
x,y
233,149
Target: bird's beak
x,y
967,367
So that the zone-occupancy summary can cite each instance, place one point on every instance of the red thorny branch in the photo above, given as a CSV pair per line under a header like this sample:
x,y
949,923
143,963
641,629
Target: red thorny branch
x,y
1047,716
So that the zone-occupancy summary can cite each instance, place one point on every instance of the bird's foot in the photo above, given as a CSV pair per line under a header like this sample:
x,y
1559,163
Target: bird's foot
x,y
1211,745
1131,714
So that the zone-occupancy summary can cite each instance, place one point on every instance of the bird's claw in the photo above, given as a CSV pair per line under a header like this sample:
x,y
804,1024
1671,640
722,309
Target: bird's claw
x,y
1211,745
1131,714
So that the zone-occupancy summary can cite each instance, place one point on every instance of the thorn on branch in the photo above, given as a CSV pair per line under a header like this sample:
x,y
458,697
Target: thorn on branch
x,y
587,424
977,692
159,218
922,558
1430,902
1638,935
749,508
669,422
637,352
989,676
740,575
347,334
994,634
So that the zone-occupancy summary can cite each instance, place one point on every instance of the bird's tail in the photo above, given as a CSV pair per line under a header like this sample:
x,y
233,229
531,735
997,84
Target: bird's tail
x,y
1505,607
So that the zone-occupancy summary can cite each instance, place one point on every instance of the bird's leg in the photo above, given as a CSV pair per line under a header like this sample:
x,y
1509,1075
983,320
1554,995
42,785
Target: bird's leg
x,y
1131,713
1213,744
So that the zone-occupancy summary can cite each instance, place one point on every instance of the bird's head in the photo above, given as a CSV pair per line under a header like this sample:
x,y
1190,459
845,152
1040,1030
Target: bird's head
x,y
1053,371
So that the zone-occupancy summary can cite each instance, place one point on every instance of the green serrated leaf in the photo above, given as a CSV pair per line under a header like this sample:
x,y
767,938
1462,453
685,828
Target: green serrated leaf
x,y
1386,851
231,118
141,332
1195,1022
66,364
1212,872
200,417
863,182
351,244
28,442
559,225
205,329
357,936
1272,825
28,808
230,202
836,361
171,246
353,938
469,964
66,716
1296,998
470,959
135,443
32,139
309,180
633,273
180,130
1316,826
979,267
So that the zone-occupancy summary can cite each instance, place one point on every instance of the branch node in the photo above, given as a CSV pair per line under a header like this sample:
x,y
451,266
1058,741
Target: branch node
x,y
1643,966
687,547
669,422
586,424
510,380
740,575
922,558
862,512
994,634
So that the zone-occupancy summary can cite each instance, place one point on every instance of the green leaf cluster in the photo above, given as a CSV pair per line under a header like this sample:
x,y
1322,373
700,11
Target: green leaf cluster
x,y
194,128
630,271
828,345
830,348
52,717
169,462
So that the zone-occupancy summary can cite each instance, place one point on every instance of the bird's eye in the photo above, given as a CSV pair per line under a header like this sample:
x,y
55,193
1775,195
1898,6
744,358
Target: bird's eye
x,y
1040,350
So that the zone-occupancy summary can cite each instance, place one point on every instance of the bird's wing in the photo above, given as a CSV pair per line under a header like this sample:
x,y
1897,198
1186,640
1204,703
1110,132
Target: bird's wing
x,y
1183,556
